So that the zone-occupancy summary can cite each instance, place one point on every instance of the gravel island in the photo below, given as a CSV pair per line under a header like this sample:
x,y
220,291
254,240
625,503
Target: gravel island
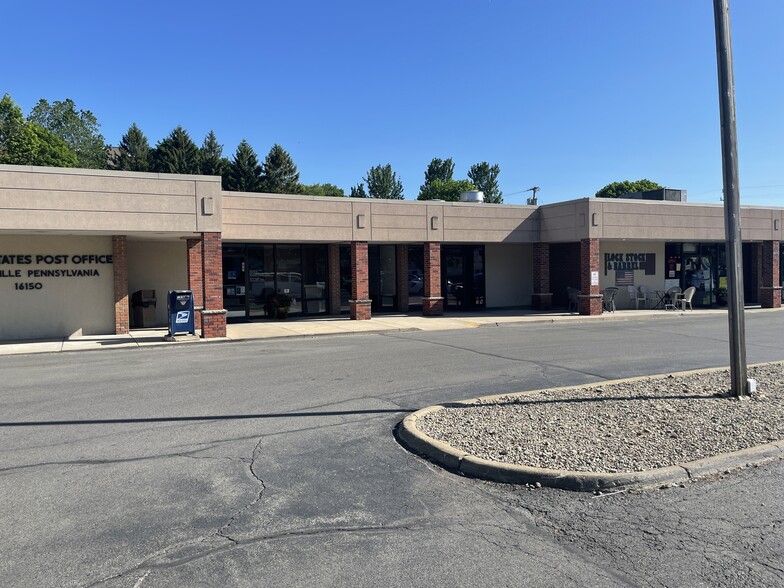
x,y
627,426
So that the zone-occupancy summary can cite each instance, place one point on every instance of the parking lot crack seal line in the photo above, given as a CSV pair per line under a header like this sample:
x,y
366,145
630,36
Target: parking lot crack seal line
x,y
224,530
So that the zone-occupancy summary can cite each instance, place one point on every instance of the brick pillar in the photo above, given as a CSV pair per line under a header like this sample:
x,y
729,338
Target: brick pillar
x,y
542,298
590,298
401,260
770,279
196,278
432,301
359,305
333,262
213,320
122,321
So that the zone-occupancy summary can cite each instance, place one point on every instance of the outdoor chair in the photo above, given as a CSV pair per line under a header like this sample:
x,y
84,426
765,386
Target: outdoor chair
x,y
671,298
574,300
685,299
632,296
608,299
646,296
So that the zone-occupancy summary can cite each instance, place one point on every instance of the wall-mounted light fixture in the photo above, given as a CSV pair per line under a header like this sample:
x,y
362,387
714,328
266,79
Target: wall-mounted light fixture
x,y
360,221
434,223
207,206
595,219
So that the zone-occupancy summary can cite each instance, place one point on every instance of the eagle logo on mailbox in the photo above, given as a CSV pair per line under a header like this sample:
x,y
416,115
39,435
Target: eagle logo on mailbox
x,y
182,316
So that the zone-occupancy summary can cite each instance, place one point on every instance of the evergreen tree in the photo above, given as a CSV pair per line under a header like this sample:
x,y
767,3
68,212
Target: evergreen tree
x,y
78,128
176,154
485,177
358,191
279,174
244,174
382,182
134,151
211,160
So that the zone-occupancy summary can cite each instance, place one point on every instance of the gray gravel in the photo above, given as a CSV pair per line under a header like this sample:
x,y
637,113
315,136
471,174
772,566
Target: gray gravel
x,y
624,427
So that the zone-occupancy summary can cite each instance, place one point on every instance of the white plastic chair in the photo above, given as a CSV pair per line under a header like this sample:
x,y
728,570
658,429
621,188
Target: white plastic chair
x,y
685,299
645,294
633,296
672,296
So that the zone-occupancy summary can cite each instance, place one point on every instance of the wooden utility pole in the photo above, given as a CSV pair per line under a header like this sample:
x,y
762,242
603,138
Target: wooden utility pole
x,y
729,152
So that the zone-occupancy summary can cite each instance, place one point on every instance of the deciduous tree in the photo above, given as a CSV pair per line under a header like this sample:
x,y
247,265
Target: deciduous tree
x,y
437,169
26,143
34,145
616,189
11,120
322,190
78,128
358,191
448,190
382,182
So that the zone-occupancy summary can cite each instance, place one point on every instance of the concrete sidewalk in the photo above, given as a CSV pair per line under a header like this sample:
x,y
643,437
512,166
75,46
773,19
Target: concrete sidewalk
x,y
342,325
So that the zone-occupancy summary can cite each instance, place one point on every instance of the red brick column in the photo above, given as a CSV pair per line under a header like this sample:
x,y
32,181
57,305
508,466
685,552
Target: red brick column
x,y
542,298
333,293
432,301
122,321
213,320
196,278
590,299
770,279
401,261
359,305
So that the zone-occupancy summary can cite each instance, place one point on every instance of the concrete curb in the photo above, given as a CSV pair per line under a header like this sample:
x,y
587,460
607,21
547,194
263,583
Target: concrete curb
x,y
470,465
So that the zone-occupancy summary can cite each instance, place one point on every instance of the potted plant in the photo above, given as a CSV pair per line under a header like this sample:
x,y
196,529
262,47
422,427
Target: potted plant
x,y
721,296
277,306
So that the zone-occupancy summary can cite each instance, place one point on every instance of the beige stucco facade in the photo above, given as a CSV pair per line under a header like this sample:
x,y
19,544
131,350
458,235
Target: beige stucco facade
x,y
62,215
159,266
72,213
55,286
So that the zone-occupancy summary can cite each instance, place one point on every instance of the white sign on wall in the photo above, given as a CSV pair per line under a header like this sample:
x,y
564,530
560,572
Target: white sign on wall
x,y
594,278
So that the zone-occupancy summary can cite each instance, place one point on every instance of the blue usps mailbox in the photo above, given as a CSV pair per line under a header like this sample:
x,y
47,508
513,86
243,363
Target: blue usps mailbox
x,y
180,304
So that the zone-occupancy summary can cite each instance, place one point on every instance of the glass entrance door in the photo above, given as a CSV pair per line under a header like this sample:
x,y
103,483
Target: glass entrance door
x,y
234,295
700,271
463,275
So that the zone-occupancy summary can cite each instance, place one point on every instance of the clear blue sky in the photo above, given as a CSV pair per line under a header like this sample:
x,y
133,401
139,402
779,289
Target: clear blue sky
x,y
568,95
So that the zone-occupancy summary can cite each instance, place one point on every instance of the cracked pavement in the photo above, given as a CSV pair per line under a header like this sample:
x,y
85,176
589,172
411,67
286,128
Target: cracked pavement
x,y
293,477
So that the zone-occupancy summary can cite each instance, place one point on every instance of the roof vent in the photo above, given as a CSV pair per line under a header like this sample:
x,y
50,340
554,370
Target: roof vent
x,y
472,196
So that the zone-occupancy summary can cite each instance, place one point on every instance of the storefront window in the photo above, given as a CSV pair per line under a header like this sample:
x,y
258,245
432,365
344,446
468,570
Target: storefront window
x,y
416,275
261,278
463,276
252,273
382,279
346,278
315,271
288,274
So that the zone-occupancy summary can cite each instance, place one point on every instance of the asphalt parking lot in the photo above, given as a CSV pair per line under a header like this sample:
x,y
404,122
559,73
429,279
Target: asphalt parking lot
x,y
274,462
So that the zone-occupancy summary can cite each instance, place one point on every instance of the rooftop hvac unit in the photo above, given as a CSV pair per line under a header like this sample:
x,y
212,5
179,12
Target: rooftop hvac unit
x,y
472,196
